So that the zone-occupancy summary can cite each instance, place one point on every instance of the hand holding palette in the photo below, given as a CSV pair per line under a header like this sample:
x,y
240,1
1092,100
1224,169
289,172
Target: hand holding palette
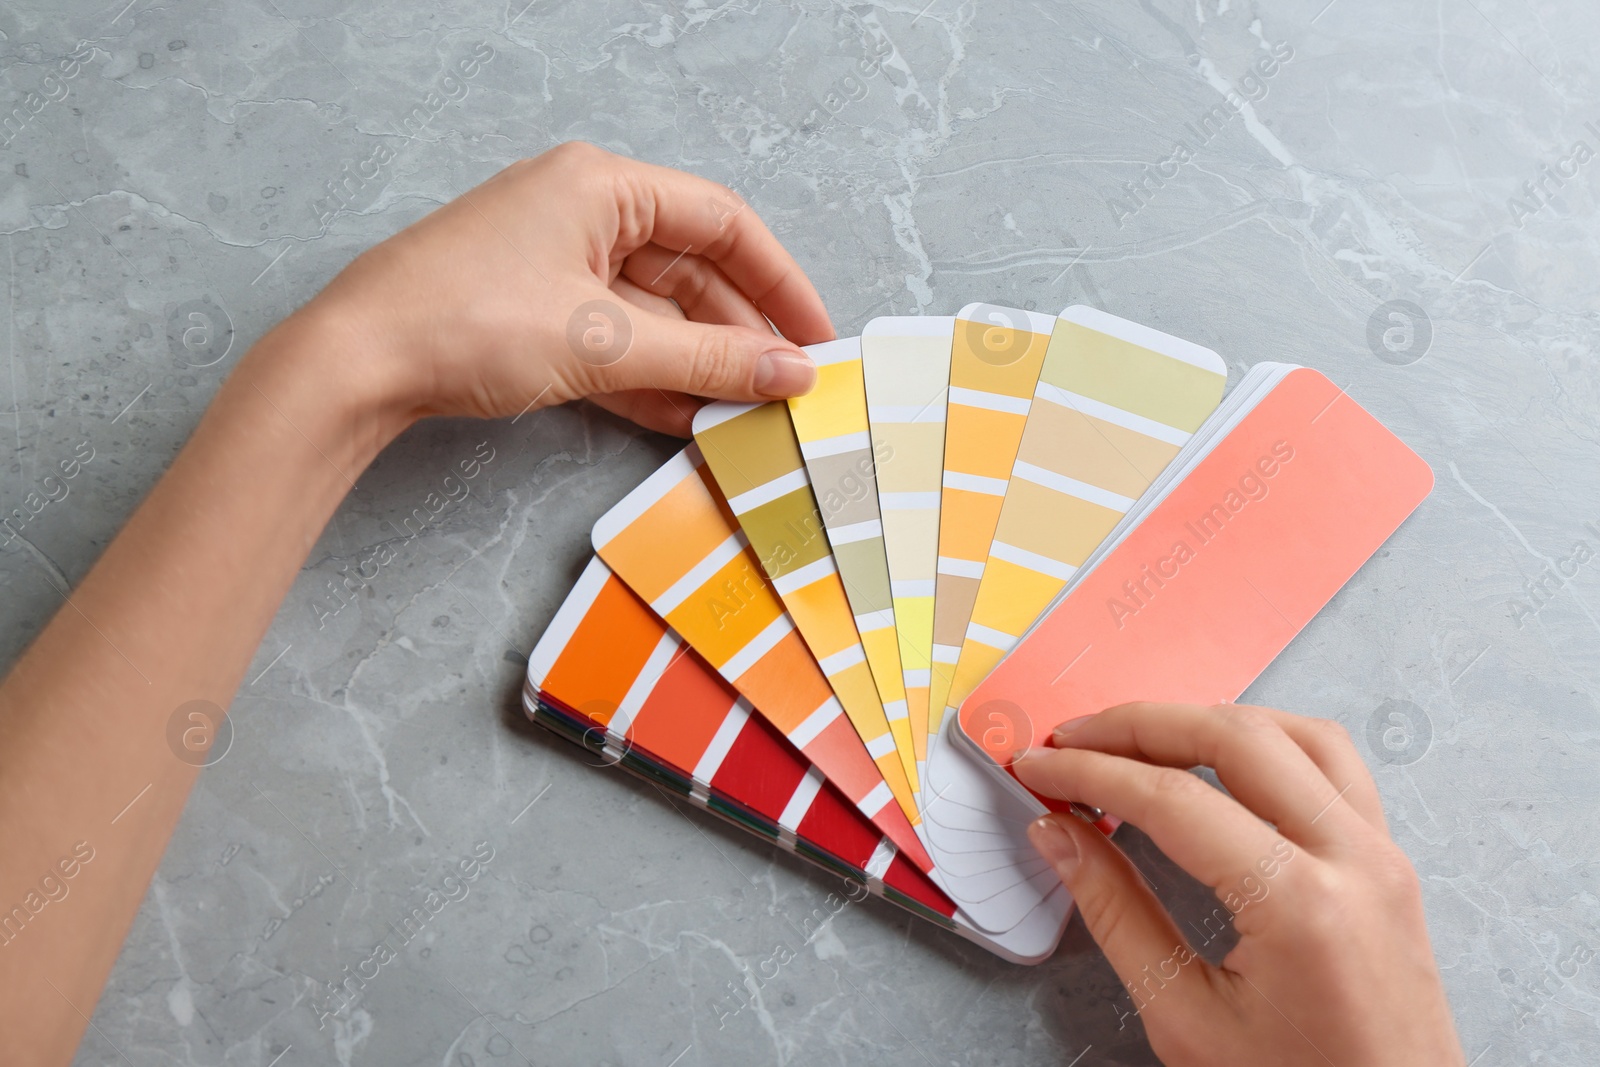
x,y
1250,531
834,621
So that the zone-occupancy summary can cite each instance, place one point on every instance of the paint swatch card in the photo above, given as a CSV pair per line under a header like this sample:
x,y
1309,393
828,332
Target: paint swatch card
x,y
906,370
831,425
1114,403
833,621
676,544
1278,503
995,358
754,455
610,675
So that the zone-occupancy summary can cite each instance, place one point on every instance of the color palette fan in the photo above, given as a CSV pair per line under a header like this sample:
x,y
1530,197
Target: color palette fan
x,y
834,621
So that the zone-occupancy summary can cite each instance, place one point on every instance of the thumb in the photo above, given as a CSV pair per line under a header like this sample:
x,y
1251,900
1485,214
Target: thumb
x,y
1157,967
621,347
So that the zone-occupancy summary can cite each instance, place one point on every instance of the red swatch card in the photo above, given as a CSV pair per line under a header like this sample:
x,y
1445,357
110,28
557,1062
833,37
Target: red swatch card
x,y
1219,577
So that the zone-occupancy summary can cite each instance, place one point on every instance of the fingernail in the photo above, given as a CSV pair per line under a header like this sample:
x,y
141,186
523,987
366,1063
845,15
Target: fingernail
x,y
1087,812
1024,753
784,374
1067,729
1054,844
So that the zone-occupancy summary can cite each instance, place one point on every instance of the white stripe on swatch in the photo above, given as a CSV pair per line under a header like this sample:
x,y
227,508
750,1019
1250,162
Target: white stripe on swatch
x,y
976,398
698,575
868,621
800,801
960,568
1109,413
782,485
877,864
975,483
654,667
875,801
908,501
1032,560
759,646
850,533
842,660
911,587
993,638
812,726
835,446
814,571
1071,486
722,742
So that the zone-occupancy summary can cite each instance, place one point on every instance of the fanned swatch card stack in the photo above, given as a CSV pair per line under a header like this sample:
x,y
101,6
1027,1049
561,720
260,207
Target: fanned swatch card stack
x,y
834,621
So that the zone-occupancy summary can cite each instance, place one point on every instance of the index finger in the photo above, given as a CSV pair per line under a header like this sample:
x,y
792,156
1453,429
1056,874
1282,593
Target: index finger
x,y
1256,754
1205,831
687,213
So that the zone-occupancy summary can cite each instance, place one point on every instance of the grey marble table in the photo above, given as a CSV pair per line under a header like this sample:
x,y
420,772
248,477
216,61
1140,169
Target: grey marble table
x,y
1402,195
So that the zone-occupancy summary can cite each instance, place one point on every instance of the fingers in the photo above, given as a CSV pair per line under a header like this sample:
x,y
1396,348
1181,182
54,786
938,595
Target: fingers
x,y
645,301
686,213
1123,916
1204,831
1255,755
695,284
665,411
1330,748
668,413
637,350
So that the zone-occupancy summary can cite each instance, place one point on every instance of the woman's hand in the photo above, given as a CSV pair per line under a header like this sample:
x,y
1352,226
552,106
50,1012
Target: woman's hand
x,y
561,277
1332,965
570,275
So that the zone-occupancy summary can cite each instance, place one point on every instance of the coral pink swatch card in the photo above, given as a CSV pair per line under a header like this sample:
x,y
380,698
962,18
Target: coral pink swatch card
x,y
1190,599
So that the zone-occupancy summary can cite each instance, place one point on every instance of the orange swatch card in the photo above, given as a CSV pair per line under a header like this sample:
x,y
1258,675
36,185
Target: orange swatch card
x,y
1217,578
675,543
